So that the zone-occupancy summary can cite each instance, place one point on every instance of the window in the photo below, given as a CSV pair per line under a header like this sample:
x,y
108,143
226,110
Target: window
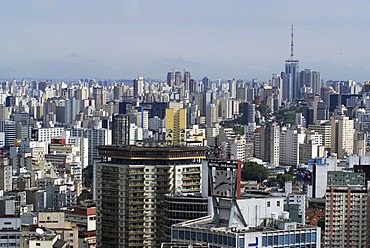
x,y
278,203
38,244
268,204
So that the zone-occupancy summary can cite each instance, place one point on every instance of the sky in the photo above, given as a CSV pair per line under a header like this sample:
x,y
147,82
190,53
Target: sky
x,y
220,39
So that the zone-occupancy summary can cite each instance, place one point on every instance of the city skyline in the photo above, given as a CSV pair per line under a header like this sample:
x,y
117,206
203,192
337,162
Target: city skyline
x,y
245,39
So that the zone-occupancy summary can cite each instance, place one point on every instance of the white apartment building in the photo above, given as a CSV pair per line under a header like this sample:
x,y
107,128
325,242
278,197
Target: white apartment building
x,y
323,128
46,134
342,133
290,139
95,137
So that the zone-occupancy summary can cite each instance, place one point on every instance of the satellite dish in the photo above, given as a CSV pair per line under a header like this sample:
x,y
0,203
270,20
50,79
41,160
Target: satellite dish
x,y
39,231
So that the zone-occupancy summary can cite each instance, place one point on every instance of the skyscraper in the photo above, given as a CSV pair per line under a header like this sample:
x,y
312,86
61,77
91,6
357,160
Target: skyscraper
x,y
342,132
290,76
178,78
138,87
130,185
170,78
176,126
187,78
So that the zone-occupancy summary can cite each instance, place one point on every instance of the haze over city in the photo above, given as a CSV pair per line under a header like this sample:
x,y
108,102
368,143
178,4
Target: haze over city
x,y
218,39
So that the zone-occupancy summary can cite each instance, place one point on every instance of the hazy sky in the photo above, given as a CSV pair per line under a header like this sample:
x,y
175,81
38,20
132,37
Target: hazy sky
x,y
219,39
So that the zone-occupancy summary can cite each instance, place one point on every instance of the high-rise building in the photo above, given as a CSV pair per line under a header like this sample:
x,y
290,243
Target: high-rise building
x,y
232,88
176,126
178,78
290,139
130,185
267,143
248,112
323,128
182,207
187,78
100,95
170,78
120,129
316,82
6,174
96,137
342,134
138,87
290,76
9,128
346,214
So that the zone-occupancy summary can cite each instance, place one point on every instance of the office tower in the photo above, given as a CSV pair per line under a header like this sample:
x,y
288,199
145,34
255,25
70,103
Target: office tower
x,y
72,108
9,128
342,132
290,76
100,95
205,98
10,101
304,81
170,78
193,86
206,83
182,207
277,95
322,111
290,139
176,126
178,78
316,82
267,142
187,78
248,113
138,87
120,129
130,186
346,213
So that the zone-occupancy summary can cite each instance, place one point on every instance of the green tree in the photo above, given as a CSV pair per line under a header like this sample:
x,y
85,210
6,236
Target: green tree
x,y
254,171
282,178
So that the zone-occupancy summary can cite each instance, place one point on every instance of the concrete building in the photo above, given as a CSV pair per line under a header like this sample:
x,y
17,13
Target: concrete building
x,y
290,139
95,137
342,134
9,128
85,219
138,87
267,143
130,185
6,174
121,129
346,216
10,231
324,128
55,221
182,207
176,126
43,238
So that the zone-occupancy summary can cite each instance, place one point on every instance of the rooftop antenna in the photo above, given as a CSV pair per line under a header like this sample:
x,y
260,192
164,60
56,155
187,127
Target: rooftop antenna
x,y
292,45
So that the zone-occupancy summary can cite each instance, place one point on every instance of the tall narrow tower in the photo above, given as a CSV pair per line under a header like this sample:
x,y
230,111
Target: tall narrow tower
x,y
290,76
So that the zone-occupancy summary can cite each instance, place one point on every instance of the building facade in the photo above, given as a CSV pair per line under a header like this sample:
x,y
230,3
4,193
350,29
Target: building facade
x,y
130,185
